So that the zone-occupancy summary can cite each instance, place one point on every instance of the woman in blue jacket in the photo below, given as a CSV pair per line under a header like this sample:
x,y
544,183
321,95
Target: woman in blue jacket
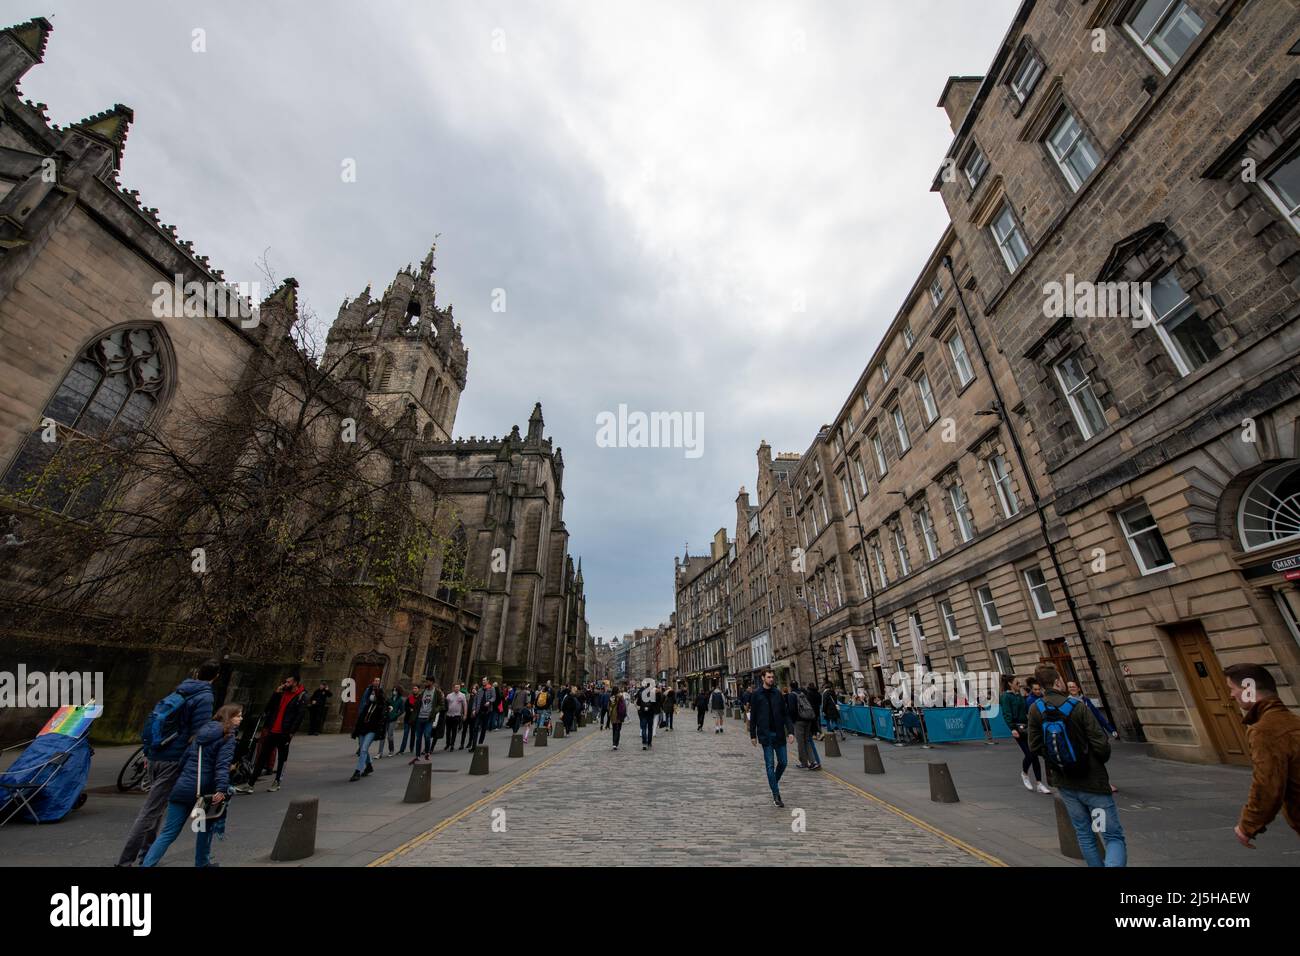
x,y
216,741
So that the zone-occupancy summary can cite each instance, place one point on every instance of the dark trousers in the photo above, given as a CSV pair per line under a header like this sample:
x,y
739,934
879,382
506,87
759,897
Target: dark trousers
x,y
1031,760
315,720
699,721
280,744
479,732
466,726
616,728
604,717
162,774
647,729
453,725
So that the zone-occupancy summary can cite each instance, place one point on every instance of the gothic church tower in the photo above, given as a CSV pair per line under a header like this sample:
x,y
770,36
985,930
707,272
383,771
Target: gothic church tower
x,y
405,349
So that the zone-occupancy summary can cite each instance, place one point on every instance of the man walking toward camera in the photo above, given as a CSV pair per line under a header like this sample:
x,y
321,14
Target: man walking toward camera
x,y
770,726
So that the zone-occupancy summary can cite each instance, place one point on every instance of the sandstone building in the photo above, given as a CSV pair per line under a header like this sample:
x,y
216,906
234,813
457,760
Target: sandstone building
x,y
79,259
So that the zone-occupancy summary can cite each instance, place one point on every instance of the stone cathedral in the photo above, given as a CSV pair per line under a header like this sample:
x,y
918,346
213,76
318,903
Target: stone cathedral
x,y
79,258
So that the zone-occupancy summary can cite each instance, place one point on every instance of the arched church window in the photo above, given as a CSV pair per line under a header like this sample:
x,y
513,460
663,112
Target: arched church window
x,y
1270,508
112,391
452,581
428,432
430,386
440,412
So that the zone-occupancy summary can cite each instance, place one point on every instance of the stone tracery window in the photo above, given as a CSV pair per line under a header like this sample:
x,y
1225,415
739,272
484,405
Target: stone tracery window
x,y
111,392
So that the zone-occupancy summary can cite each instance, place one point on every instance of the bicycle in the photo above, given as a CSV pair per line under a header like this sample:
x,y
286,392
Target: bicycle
x,y
134,775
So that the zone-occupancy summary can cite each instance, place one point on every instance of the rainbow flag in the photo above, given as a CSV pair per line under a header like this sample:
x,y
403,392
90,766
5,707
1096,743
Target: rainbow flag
x,y
72,721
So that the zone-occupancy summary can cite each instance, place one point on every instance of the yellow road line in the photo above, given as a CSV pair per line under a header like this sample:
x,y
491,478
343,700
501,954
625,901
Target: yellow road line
x,y
478,804
948,837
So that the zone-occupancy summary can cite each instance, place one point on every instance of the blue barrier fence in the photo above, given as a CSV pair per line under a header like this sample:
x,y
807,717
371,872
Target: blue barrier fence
x,y
942,724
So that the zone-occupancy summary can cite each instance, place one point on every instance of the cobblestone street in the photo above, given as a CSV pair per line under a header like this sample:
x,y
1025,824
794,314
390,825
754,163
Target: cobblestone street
x,y
694,799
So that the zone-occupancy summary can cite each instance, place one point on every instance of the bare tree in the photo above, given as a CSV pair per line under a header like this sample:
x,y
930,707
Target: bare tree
x,y
285,517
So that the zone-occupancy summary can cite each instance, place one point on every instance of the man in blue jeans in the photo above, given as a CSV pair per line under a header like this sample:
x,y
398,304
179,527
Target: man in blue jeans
x,y
1082,783
770,725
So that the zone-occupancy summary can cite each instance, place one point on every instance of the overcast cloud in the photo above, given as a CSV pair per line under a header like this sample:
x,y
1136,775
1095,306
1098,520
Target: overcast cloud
x,y
654,185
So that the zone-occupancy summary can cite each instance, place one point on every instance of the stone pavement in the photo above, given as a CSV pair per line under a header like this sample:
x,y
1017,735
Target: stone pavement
x,y
358,821
1173,813
693,799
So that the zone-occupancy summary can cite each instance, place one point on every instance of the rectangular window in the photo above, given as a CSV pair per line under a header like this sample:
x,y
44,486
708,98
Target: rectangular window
x,y
908,338
882,468
918,629
1145,540
862,475
866,403
1282,183
1040,592
1074,153
927,532
949,621
1002,660
1186,336
960,360
989,608
928,405
900,545
893,634
1077,386
848,491
1164,29
1001,472
936,291
974,168
900,426
884,369
1026,76
860,566
1007,235
879,557
957,496
826,518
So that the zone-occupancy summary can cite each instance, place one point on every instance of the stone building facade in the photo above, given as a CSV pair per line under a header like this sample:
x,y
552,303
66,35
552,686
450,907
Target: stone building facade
x,y
79,260
702,587
1076,442
1157,144
769,625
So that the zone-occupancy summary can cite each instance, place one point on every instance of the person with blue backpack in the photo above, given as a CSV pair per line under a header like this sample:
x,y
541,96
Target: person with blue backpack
x,y
1064,733
202,792
167,733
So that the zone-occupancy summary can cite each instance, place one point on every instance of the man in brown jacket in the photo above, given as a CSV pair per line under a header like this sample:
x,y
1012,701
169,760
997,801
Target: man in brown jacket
x,y
1274,736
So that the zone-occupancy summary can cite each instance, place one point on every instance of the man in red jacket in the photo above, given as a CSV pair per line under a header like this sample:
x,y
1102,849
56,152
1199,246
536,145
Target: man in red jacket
x,y
283,713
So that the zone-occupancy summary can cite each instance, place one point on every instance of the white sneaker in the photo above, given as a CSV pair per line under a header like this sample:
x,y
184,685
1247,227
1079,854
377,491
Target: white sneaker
x,y
1024,778
1042,788
243,788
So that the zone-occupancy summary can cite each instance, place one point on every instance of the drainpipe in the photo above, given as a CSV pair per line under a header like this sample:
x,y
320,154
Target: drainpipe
x,y
1001,409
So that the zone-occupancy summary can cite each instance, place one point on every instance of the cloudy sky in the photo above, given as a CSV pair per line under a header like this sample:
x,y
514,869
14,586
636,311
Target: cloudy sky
x,y
657,186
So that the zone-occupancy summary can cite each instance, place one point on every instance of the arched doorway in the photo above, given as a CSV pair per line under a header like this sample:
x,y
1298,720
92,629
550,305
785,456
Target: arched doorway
x,y
365,668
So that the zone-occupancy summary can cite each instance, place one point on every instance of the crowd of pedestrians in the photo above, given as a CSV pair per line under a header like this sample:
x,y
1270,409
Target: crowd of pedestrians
x,y
197,752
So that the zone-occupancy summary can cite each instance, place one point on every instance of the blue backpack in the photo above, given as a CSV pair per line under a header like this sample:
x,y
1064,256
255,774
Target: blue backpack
x,y
1064,751
164,723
